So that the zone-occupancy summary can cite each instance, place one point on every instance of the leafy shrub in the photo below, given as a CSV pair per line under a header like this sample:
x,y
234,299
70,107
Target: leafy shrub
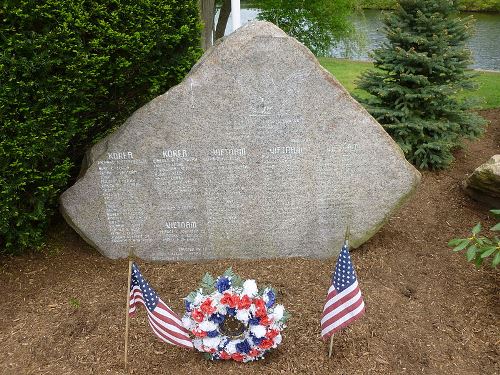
x,y
72,70
480,247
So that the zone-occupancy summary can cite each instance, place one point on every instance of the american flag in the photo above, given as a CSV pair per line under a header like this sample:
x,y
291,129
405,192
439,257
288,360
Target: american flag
x,y
163,321
344,303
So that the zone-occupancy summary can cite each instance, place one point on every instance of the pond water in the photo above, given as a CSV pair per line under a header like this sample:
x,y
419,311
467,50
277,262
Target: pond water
x,y
485,44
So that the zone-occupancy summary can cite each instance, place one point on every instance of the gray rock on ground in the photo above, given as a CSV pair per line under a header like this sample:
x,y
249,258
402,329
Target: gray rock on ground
x,y
483,184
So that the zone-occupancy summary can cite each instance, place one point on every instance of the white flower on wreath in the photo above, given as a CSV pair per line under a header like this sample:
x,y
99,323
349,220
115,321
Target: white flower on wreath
x,y
216,297
243,315
231,347
277,314
258,331
277,340
188,323
250,288
211,342
198,299
252,309
208,326
197,343
221,309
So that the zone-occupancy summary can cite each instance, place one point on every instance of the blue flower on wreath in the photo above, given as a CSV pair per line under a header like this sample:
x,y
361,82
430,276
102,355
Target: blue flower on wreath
x,y
223,284
217,318
256,340
213,333
188,305
271,298
243,347
231,311
223,343
254,321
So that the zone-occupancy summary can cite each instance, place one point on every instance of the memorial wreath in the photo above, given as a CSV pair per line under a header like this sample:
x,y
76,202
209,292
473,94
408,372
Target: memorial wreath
x,y
232,319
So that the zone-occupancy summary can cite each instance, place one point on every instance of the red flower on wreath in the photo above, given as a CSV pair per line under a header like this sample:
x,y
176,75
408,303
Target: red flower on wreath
x,y
230,299
199,333
237,357
224,355
197,315
245,302
272,333
253,353
260,308
265,321
266,344
207,307
259,303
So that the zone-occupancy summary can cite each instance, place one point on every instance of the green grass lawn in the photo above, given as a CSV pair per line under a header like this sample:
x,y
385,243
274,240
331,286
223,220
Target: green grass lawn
x,y
347,71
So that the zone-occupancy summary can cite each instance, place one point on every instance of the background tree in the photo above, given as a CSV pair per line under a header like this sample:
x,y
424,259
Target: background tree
x,y
207,12
319,24
420,72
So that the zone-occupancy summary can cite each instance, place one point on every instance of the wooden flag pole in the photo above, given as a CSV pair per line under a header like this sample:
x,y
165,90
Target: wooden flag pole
x,y
346,240
331,346
130,261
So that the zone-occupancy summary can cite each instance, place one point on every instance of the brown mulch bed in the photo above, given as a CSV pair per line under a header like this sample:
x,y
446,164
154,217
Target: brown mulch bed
x,y
429,311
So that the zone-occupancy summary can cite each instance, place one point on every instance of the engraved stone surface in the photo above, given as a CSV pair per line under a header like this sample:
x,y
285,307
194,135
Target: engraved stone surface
x,y
259,152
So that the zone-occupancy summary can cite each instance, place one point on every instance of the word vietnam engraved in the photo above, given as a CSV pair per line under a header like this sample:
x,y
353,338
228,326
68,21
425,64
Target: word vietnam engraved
x,y
259,152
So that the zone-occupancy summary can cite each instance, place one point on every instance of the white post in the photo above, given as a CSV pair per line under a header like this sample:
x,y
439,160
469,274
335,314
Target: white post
x,y
235,14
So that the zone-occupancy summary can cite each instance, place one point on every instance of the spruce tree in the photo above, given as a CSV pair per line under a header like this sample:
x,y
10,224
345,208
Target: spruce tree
x,y
419,75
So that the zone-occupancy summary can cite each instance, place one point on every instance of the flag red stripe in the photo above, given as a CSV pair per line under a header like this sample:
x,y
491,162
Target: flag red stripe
x,y
137,298
330,295
333,295
134,299
339,302
159,335
165,307
137,290
345,311
166,336
183,336
345,324
135,293
170,332
174,320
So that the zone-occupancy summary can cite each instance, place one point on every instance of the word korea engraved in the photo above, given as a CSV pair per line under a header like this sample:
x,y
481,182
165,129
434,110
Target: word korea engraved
x,y
259,152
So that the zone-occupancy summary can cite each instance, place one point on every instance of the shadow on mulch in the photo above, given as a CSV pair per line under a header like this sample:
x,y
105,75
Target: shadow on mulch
x,y
428,310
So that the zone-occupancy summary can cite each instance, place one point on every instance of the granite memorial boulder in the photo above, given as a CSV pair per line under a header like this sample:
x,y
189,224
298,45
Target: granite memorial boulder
x,y
259,152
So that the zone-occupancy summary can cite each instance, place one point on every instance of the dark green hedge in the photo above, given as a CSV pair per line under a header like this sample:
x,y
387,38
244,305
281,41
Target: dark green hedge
x,y
71,70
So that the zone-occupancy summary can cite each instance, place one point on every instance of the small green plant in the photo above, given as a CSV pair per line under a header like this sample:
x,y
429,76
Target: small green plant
x,y
73,302
480,247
